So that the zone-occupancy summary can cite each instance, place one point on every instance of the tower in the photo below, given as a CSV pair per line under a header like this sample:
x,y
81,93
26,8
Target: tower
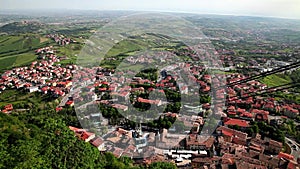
x,y
139,130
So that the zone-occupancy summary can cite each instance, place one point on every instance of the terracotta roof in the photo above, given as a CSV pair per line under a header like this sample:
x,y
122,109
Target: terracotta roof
x,y
286,156
275,143
96,141
85,135
230,132
117,152
57,109
195,139
292,165
69,102
148,101
241,123
246,114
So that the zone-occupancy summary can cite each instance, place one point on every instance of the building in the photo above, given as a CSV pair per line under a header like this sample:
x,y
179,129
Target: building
x,y
232,136
98,143
289,111
197,142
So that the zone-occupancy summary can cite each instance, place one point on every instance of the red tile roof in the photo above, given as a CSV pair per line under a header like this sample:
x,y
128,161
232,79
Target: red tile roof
x,y
57,109
285,156
230,132
97,142
148,101
246,114
69,102
241,123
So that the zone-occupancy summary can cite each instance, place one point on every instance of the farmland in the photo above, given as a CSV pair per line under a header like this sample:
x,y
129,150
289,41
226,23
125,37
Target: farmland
x,y
18,50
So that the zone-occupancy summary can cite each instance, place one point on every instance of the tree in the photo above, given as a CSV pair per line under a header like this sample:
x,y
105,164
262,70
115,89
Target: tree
x,y
255,128
162,165
42,139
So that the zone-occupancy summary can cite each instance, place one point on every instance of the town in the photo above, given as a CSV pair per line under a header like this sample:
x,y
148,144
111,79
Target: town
x,y
236,139
220,110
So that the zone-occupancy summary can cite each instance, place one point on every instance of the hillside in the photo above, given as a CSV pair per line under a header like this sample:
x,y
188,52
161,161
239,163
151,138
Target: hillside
x,y
17,50
21,27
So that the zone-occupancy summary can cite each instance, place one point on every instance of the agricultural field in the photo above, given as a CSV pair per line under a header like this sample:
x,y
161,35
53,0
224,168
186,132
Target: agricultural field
x,y
18,50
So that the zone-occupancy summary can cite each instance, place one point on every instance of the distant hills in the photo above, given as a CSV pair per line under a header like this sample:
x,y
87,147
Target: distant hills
x,y
22,27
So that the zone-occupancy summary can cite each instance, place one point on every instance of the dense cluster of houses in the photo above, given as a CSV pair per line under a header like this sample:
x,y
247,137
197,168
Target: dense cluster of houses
x,y
60,39
236,149
259,63
228,148
243,103
45,75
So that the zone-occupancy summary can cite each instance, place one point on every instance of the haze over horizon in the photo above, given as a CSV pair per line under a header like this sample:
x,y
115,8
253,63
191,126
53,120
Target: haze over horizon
x,y
267,8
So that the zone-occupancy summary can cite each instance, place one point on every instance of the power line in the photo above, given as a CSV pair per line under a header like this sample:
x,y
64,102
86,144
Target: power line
x,y
267,91
280,69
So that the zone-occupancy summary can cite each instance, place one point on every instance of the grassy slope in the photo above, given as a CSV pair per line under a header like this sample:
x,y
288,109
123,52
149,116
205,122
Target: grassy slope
x,y
17,44
276,80
280,79
16,97
18,50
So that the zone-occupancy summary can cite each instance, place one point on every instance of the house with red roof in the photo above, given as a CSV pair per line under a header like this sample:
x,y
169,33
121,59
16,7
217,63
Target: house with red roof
x,y
82,134
57,109
269,106
157,102
70,103
120,106
289,111
246,116
262,117
286,156
117,152
232,136
98,143
232,114
231,108
7,109
236,122
196,142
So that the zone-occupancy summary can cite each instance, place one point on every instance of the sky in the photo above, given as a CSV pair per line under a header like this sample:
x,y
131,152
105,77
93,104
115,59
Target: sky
x,y
274,8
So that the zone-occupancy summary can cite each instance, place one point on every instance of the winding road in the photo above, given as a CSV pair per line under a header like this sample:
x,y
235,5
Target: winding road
x,y
293,145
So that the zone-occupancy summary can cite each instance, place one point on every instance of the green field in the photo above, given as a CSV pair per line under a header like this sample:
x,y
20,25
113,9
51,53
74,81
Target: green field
x,y
276,80
18,50
11,45
71,51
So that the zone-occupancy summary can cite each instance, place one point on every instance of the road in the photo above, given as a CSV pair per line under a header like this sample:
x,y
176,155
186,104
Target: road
x,y
66,97
64,100
292,143
271,117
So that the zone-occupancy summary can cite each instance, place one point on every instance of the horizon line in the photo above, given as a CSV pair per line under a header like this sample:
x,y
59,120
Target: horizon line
x,y
164,11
